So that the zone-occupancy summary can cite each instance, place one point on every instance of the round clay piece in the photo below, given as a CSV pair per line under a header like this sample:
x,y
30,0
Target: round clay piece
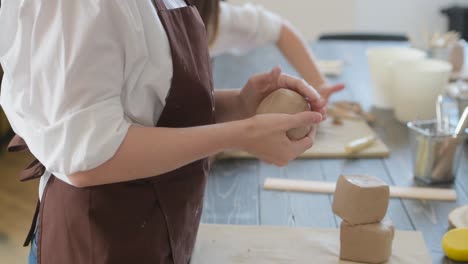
x,y
286,101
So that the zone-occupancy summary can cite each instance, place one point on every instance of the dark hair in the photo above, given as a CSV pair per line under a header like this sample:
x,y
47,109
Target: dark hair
x,y
209,12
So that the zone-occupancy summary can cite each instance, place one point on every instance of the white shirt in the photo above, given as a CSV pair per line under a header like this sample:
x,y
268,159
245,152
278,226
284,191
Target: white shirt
x,y
79,73
242,28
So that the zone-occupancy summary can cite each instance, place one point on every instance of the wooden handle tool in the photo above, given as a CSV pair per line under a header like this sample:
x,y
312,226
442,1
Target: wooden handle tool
x,y
421,193
360,144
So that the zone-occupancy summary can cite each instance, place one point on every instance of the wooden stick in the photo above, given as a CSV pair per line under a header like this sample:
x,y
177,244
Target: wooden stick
x,y
420,193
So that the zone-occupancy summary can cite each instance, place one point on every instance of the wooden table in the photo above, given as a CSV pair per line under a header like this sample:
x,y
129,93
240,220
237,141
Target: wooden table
x,y
234,192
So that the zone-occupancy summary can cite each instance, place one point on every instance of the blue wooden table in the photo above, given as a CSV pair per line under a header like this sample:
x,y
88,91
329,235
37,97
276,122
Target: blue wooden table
x,y
234,192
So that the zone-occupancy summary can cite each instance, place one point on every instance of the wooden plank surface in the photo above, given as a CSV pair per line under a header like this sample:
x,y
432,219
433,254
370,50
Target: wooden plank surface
x,y
232,193
331,141
283,208
282,245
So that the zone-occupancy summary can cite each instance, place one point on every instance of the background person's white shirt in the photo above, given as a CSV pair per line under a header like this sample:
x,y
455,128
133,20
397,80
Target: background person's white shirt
x,y
242,28
79,73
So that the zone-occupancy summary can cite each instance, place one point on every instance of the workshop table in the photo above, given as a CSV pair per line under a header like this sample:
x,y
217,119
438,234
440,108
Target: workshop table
x,y
234,191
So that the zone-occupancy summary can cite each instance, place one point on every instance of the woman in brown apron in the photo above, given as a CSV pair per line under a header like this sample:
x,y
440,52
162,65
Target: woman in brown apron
x,y
117,212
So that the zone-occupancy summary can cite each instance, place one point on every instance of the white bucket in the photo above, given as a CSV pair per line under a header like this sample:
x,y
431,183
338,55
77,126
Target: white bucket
x,y
380,60
416,87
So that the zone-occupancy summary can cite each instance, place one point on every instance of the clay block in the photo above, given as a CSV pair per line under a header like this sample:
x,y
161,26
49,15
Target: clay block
x,y
370,243
361,199
286,101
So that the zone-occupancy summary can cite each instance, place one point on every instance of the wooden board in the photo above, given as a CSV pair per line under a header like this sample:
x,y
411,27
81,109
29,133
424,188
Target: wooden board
x,y
421,193
331,140
276,245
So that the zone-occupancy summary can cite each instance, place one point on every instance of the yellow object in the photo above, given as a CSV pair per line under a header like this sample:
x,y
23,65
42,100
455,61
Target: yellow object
x,y
455,244
359,144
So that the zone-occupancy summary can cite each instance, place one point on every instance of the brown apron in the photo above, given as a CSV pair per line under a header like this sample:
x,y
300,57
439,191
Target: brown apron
x,y
154,220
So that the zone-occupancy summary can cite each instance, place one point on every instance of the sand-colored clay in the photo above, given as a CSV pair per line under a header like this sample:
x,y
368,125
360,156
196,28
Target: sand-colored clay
x,y
287,102
370,243
361,199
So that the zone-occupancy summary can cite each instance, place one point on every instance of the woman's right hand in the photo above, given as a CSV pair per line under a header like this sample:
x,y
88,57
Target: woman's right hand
x,y
266,137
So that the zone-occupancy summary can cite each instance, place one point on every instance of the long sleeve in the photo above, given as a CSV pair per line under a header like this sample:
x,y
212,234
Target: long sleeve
x,y
242,28
63,93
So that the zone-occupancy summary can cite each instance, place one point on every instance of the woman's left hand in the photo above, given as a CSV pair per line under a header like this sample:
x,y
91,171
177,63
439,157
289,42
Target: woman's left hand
x,y
260,86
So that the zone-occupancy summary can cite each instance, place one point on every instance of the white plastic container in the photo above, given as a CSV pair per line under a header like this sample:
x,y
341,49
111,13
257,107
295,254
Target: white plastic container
x,y
416,87
380,60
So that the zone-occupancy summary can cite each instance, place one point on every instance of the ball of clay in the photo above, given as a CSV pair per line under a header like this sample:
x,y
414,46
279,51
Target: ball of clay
x,y
371,243
361,199
286,101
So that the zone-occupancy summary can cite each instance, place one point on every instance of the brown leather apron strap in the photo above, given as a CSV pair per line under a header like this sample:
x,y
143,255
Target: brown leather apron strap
x,y
35,170
17,144
30,235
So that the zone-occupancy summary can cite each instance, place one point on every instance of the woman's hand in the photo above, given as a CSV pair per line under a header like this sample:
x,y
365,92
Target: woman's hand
x,y
265,136
259,86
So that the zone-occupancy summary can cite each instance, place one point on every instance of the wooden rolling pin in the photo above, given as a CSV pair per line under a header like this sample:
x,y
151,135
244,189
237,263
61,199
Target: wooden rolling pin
x,y
419,193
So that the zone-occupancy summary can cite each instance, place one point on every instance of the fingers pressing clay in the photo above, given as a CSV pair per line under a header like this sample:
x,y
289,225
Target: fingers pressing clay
x,y
360,199
287,102
302,87
371,243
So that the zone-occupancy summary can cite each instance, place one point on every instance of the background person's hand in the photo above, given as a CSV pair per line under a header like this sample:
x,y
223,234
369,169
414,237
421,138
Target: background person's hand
x,y
261,85
326,90
266,136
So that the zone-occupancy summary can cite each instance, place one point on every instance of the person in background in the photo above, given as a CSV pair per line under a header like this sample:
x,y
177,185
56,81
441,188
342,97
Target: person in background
x,y
237,29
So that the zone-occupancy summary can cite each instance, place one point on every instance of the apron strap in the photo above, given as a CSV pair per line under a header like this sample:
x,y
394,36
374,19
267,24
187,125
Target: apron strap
x,y
17,144
35,170
161,6
30,235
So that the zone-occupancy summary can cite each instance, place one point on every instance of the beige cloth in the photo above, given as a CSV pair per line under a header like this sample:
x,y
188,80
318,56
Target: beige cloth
x,y
264,244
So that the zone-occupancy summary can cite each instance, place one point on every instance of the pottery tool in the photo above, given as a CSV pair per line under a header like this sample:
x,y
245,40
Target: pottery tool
x,y
420,193
458,217
438,40
360,144
439,114
462,123
350,110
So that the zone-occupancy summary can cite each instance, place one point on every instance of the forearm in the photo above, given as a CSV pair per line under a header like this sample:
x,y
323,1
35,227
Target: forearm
x,y
228,105
147,152
295,49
